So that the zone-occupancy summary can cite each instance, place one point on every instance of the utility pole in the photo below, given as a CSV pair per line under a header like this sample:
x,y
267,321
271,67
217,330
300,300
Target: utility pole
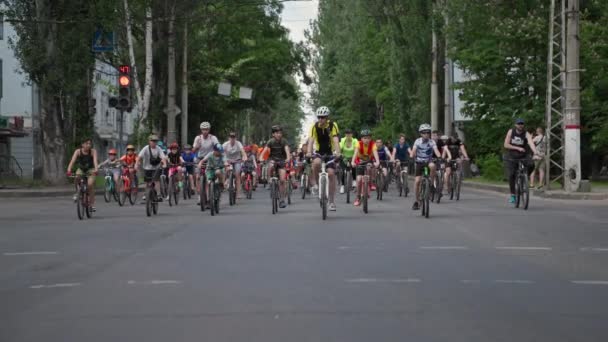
x,y
185,88
171,110
434,85
448,93
572,112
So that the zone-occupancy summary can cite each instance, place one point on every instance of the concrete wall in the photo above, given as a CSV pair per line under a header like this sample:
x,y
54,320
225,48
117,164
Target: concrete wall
x,y
16,93
21,149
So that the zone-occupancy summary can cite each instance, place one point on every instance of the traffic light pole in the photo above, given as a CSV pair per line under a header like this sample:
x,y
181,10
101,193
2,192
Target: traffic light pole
x,y
120,131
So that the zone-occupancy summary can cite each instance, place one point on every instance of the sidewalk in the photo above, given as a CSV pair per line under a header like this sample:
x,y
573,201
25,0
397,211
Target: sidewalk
x,y
596,194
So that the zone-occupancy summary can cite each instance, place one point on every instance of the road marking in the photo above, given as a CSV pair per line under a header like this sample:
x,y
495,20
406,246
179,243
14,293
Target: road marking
x,y
470,281
521,248
28,253
380,280
594,249
515,281
590,282
154,282
55,285
445,247
344,248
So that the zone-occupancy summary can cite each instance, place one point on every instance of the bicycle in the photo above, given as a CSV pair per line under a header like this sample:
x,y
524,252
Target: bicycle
x,y
151,197
203,187
110,187
324,182
231,183
215,193
173,188
425,190
381,180
349,180
364,168
248,184
402,179
83,204
127,187
275,194
437,190
522,187
304,178
164,183
187,187
455,180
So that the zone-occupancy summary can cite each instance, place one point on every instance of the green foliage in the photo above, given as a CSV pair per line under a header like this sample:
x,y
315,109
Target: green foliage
x,y
491,167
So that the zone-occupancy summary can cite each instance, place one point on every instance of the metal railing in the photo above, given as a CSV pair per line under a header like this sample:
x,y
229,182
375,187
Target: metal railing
x,y
10,167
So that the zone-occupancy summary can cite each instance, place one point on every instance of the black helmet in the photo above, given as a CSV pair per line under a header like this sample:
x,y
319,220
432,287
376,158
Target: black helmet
x,y
276,128
366,132
348,131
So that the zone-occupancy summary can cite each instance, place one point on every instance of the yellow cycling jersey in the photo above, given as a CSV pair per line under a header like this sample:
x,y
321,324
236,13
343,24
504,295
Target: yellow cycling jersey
x,y
323,135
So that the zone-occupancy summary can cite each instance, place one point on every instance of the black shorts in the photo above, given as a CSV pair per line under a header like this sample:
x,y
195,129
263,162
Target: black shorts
x,y
327,157
420,167
278,164
151,175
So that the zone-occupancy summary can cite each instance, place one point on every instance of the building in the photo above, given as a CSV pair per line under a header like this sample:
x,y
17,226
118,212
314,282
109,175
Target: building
x,y
19,110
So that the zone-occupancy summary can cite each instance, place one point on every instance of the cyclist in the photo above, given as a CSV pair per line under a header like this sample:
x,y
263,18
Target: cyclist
x,y
348,145
278,151
324,138
401,152
128,161
188,157
365,152
174,160
235,155
85,159
113,164
518,143
457,151
385,157
152,158
446,157
250,166
423,150
215,166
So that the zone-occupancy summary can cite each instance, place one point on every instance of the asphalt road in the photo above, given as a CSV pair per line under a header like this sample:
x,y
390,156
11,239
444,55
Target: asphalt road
x,y
477,270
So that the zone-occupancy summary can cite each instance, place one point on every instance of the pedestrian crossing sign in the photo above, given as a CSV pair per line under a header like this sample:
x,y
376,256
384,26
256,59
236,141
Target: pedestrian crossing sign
x,y
103,41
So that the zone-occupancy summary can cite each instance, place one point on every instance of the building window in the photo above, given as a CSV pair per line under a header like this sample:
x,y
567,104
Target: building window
x,y
1,26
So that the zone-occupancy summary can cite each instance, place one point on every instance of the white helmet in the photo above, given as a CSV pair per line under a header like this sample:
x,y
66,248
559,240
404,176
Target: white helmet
x,y
323,111
205,125
424,127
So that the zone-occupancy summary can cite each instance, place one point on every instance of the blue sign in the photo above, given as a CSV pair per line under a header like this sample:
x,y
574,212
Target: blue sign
x,y
103,41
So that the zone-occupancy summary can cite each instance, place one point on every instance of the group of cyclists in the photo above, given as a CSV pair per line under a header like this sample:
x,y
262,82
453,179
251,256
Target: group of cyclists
x,y
361,156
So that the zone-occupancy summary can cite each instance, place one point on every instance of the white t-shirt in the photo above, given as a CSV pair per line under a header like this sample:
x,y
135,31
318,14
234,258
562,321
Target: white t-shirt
x,y
233,152
147,153
203,145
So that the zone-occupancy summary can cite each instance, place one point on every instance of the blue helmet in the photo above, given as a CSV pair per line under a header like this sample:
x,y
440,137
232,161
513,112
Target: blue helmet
x,y
218,147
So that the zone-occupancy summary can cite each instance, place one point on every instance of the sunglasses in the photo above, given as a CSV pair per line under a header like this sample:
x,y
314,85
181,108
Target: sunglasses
x,y
132,150
520,124
233,136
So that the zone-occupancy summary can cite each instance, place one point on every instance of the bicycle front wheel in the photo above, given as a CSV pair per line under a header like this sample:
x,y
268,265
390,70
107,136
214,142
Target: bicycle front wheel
x,y
525,192
211,198
149,202
171,190
80,208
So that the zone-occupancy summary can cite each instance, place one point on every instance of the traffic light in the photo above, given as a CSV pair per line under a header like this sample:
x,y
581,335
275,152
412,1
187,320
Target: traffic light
x,y
124,87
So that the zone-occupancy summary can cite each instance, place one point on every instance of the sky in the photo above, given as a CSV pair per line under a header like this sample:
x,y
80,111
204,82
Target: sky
x,y
296,18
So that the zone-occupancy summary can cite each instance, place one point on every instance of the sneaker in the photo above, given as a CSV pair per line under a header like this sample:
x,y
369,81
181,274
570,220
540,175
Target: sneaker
x,y
354,184
416,206
341,189
93,209
357,202
315,190
372,188
512,199
75,198
167,198
332,207
143,198
180,184
282,204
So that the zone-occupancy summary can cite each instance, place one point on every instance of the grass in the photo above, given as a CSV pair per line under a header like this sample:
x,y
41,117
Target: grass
x,y
484,180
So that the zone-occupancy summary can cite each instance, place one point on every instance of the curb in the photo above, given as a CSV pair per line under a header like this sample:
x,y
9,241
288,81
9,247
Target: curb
x,y
590,196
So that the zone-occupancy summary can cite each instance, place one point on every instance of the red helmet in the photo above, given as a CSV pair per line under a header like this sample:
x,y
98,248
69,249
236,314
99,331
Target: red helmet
x,y
247,148
112,151
173,145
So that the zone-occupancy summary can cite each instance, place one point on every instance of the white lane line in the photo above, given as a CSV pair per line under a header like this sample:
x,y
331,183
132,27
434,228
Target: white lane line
x,y
29,253
594,249
55,285
514,281
590,282
381,280
345,248
522,248
445,247
470,281
154,282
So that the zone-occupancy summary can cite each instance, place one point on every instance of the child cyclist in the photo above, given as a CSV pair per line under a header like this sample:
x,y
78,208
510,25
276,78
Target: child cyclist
x,y
250,165
365,153
174,161
113,164
188,158
128,162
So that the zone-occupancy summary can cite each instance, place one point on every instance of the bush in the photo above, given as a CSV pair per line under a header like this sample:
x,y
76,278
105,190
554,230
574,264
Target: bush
x,y
491,167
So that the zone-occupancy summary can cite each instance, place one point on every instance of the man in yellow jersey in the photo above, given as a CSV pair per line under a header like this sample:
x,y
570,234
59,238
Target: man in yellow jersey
x,y
365,153
348,144
326,142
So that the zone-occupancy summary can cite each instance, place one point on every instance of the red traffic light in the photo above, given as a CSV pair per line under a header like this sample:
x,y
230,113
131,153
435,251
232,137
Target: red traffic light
x,y
124,81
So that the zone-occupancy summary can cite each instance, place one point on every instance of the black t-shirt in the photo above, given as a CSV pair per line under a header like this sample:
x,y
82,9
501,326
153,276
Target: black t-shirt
x,y
277,149
519,139
173,158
